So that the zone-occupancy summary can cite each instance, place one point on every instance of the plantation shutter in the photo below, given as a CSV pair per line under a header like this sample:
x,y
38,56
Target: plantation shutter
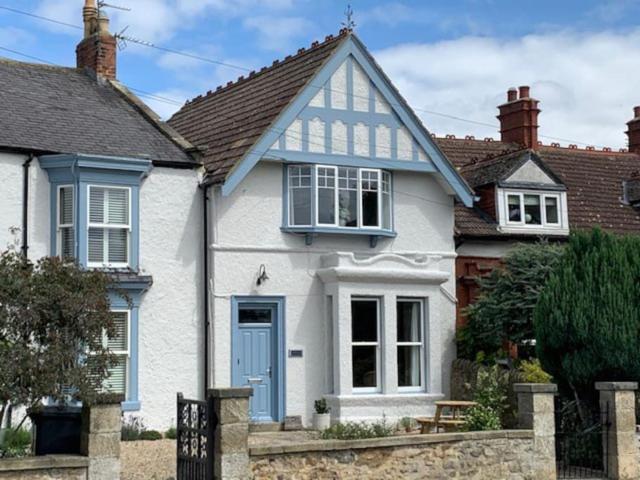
x,y
119,345
108,225
66,236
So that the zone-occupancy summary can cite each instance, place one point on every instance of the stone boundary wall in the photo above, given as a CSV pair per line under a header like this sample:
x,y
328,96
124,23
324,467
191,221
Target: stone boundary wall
x,y
48,467
498,455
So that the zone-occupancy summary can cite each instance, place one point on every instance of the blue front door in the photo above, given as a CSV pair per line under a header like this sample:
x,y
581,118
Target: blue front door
x,y
254,357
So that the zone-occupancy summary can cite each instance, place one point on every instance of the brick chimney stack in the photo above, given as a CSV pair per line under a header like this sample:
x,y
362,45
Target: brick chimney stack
x,y
634,131
519,118
97,50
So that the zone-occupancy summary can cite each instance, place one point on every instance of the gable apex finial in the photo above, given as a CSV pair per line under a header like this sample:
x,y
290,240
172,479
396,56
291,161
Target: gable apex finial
x,y
349,24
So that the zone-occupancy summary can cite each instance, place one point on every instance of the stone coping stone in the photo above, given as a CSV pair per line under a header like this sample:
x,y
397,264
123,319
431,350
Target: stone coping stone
x,y
240,392
43,462
616,386
387,442
535,388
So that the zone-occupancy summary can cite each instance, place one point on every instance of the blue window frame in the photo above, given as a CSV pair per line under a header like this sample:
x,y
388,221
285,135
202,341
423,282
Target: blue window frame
x,y
95,219
337,199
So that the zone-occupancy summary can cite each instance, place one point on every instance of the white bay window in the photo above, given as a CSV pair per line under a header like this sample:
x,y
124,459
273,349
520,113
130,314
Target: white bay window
x,y
109,226
346,198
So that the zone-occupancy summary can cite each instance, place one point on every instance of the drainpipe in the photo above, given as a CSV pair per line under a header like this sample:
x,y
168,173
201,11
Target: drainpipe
x,y
205,210
25,206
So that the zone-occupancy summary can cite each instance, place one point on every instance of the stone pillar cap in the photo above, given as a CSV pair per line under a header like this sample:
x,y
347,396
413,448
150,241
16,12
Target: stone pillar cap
x,y
535,388
616,386
236,392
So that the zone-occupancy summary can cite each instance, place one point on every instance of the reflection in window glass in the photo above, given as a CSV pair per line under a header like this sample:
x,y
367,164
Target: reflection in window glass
x,y
410,343
532,212
551,209
300,195
326,195
348,197
364,339
370,188
254,315
515,214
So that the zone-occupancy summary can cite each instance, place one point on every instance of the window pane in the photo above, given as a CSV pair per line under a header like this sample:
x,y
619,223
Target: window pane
x,y
370,190
254,315
326,196
66,206
96,204
364,320
409,322
67,242
364,366
118,240
118,205
301,206
386,200
532,212
120,341
409,368
514,208
299,195
551,207
348,197
117,380
96,245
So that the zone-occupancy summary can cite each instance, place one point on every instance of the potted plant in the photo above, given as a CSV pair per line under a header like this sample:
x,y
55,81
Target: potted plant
x,y
322,415
407,423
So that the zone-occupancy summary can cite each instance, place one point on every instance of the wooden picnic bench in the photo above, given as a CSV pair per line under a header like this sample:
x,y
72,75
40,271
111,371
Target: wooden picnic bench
x,y
450,422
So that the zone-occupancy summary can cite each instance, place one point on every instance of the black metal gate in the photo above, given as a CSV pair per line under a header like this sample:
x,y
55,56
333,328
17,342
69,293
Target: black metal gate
x,y
196,424
581,441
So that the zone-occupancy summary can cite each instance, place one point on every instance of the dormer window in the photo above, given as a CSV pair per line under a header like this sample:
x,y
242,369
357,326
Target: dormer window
x,y
335,199
532,211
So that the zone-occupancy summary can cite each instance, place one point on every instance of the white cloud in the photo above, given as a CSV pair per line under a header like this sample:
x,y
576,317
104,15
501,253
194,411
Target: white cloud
x,y
12,36
586,83
278,33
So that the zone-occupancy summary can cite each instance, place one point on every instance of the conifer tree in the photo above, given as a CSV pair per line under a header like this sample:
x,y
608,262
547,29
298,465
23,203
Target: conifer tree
x,y
587,320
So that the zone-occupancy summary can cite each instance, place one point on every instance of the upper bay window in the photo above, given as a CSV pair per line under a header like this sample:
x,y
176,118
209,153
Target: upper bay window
x,y
65,231
345,198
533,211
109,226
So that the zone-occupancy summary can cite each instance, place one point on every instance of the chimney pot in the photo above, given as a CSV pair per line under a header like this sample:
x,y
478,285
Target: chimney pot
x,y
633,131
524,92
512,94
636,111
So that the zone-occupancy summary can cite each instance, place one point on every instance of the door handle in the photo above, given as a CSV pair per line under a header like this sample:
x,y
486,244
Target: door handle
x,y
269,372
254,380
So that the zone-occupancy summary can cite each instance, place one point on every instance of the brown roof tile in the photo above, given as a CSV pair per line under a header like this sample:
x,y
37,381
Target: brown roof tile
x,y
593,180
230,120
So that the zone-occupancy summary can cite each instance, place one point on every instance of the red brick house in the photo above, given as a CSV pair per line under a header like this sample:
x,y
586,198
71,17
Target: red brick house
x,y
527,191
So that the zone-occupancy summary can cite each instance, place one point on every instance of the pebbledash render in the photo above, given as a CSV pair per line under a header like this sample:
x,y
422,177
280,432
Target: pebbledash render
x,y
331,239
89,172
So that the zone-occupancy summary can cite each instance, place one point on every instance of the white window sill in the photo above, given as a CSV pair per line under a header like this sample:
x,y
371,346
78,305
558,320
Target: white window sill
x,y
535,230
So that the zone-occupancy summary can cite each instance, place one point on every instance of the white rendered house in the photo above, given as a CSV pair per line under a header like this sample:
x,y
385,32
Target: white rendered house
x,y
331,238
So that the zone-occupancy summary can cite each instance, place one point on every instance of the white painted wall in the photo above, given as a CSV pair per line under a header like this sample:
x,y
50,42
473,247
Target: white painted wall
x,y
246,233
11,192
171,325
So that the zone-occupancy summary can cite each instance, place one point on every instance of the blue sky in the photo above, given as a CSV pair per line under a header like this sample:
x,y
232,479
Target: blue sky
x,y
455,57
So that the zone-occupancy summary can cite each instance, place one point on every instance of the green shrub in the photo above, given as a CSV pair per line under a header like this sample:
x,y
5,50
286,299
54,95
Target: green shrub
x,y
320,406
357,430
506,301
491,389
150,435
532,372
172,433
17,443
407,424
482,417
132,429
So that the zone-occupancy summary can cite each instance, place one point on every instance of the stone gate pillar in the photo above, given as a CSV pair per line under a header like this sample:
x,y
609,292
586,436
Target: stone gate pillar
x,y
100,440
536,412
231,437
617,401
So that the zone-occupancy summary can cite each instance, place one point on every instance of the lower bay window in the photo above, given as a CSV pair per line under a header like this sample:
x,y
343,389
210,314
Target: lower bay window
x,y
365,344
345,198
410,344
119,345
